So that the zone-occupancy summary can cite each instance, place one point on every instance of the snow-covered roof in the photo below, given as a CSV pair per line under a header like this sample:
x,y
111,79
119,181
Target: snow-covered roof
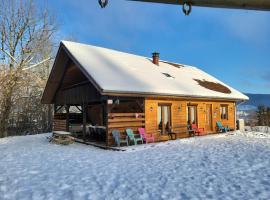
x,y
114,71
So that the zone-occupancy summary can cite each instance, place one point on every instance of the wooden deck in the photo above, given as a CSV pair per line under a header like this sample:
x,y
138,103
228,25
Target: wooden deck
x,y
101,145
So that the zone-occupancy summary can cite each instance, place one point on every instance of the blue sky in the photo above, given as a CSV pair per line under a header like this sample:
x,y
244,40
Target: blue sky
x,y
232,45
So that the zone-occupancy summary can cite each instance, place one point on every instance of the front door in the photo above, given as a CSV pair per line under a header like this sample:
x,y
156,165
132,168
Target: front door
x,y
208,123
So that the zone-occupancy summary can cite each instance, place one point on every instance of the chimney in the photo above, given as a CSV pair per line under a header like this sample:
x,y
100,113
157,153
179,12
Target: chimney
x,y
155,57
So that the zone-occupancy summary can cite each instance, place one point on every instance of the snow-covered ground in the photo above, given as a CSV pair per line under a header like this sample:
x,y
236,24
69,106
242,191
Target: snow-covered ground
x,y
232,166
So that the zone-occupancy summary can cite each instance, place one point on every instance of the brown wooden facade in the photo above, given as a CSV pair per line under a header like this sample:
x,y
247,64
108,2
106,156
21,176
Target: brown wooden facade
x,y
69,86
179,115
208,113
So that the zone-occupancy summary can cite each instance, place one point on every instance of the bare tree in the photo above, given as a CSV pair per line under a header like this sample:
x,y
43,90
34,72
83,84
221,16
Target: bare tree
x,y
25,43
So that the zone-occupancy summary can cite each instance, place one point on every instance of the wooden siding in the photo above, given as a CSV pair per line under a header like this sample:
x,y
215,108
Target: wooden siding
x,y
59,122
179,115
59,125
73,86
122,121
77,95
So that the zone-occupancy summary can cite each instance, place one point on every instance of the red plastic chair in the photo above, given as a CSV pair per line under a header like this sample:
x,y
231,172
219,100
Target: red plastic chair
x,y
146,137
198,131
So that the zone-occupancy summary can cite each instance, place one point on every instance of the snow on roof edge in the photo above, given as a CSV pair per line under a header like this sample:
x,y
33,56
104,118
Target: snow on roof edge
x,y
171,95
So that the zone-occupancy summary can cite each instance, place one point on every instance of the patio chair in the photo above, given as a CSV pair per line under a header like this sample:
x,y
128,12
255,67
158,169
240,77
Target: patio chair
x,y
134,137
146,137
92,132
221,128
197,131
118,140
191,132
171,133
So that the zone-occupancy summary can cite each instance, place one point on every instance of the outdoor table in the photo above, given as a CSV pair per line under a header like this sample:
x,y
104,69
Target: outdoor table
x,y
101,132
171,134
191,133
61,133
62,137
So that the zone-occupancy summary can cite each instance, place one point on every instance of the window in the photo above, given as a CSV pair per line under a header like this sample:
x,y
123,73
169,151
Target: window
x,y
224,111
192,114
168,75
164,118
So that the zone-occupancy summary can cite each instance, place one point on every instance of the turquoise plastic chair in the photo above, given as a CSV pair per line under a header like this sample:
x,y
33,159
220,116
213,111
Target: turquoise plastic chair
x,y
132,137
222,128
118,140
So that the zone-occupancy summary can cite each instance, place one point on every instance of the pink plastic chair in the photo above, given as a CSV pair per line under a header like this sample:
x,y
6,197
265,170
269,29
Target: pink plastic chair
x,y
198,131
146,137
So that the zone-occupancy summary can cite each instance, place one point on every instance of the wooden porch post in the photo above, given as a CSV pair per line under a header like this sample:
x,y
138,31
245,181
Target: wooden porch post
x,y
67,117
105,120
105,110
55,108
104,114
49,116
84,119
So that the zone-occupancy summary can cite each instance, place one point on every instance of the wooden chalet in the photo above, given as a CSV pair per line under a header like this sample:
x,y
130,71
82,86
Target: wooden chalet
x,y
93,86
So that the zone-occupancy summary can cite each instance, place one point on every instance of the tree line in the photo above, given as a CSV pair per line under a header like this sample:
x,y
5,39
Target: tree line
x,y
263,116
26,53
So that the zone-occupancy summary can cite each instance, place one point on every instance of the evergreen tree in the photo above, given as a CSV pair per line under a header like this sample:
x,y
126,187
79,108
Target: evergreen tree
x,y
268,116
260,115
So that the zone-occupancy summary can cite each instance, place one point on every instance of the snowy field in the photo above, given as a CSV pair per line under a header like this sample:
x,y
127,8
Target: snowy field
x,y
233,166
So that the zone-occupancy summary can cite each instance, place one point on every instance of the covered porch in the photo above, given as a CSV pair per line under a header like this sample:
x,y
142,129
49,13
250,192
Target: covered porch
x,y
93,122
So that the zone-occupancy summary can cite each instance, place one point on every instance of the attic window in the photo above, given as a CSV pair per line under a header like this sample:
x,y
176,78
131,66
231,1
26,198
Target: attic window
x,y
213,86
168,75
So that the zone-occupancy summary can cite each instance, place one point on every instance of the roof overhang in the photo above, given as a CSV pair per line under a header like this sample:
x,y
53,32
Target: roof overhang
x,y
164,96
236,4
